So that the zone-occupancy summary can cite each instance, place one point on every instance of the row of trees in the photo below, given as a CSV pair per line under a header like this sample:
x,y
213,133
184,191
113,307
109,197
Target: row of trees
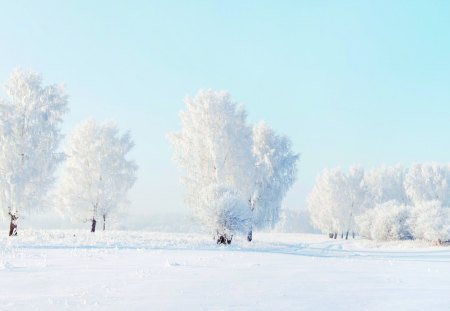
x,y
386,203
235,175
96,174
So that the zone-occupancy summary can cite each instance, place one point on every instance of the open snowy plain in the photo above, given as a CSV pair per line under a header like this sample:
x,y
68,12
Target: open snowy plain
x,y
74,270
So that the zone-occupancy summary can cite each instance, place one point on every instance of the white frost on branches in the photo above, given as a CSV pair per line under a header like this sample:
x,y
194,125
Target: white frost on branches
x,y
226,212
386,184
230,170
394,203
428,182
385,222
214,150
97,174
430,221
30,117
276,172
336,199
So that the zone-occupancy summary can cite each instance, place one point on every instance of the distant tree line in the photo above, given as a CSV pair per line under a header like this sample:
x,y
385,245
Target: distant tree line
x,y
386,203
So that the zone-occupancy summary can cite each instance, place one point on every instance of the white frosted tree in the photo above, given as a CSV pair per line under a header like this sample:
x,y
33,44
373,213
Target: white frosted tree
x,y
428,182
327,200
97,174
30,116
385,184
336,199
214,149
356,191
276,168
428,186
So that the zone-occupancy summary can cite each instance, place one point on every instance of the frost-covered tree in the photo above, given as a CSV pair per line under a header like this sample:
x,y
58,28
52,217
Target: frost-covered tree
x,y
356,191
276,172
428,182
336,199
385,222
385,184
30,117
214,149
97,174
325,203
428,186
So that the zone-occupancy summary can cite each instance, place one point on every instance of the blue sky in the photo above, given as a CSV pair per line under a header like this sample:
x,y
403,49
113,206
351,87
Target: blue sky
x,y
363,82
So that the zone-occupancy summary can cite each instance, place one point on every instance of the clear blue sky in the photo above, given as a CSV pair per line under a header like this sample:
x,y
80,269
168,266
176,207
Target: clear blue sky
x,y
363,82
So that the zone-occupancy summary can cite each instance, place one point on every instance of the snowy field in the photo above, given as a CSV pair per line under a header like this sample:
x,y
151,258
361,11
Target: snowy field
x,y
74,270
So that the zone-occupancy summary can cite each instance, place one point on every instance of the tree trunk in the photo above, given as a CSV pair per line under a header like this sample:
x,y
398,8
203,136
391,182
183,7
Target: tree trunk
x,y
250,235
342,235
335,235
346,235
104,222
229,239
353,234
224,239
221,239
94,223
13,225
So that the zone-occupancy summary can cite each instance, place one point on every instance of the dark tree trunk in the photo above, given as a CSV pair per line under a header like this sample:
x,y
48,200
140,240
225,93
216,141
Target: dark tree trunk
x,y
229,239
13,225
346,235
94,223
104,222
353,234
330,235
335,235
250,235
221,239
224,239
342,235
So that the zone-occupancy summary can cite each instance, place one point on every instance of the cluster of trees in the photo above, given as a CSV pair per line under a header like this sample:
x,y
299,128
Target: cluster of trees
x,y
386,203
235,175
96,174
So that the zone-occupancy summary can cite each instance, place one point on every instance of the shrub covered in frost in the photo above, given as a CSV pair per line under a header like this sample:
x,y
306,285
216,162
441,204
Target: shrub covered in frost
x,y
385,222
430,221
224,211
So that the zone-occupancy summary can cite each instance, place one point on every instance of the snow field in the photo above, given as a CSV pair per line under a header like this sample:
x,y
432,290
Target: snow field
x,y
55,270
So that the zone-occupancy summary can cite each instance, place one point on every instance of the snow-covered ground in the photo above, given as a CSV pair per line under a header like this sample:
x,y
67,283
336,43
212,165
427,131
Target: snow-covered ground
x,y
75,270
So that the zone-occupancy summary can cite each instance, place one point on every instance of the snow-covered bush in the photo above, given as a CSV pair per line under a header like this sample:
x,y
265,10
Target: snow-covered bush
x,y
430,221
224,211
385,222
